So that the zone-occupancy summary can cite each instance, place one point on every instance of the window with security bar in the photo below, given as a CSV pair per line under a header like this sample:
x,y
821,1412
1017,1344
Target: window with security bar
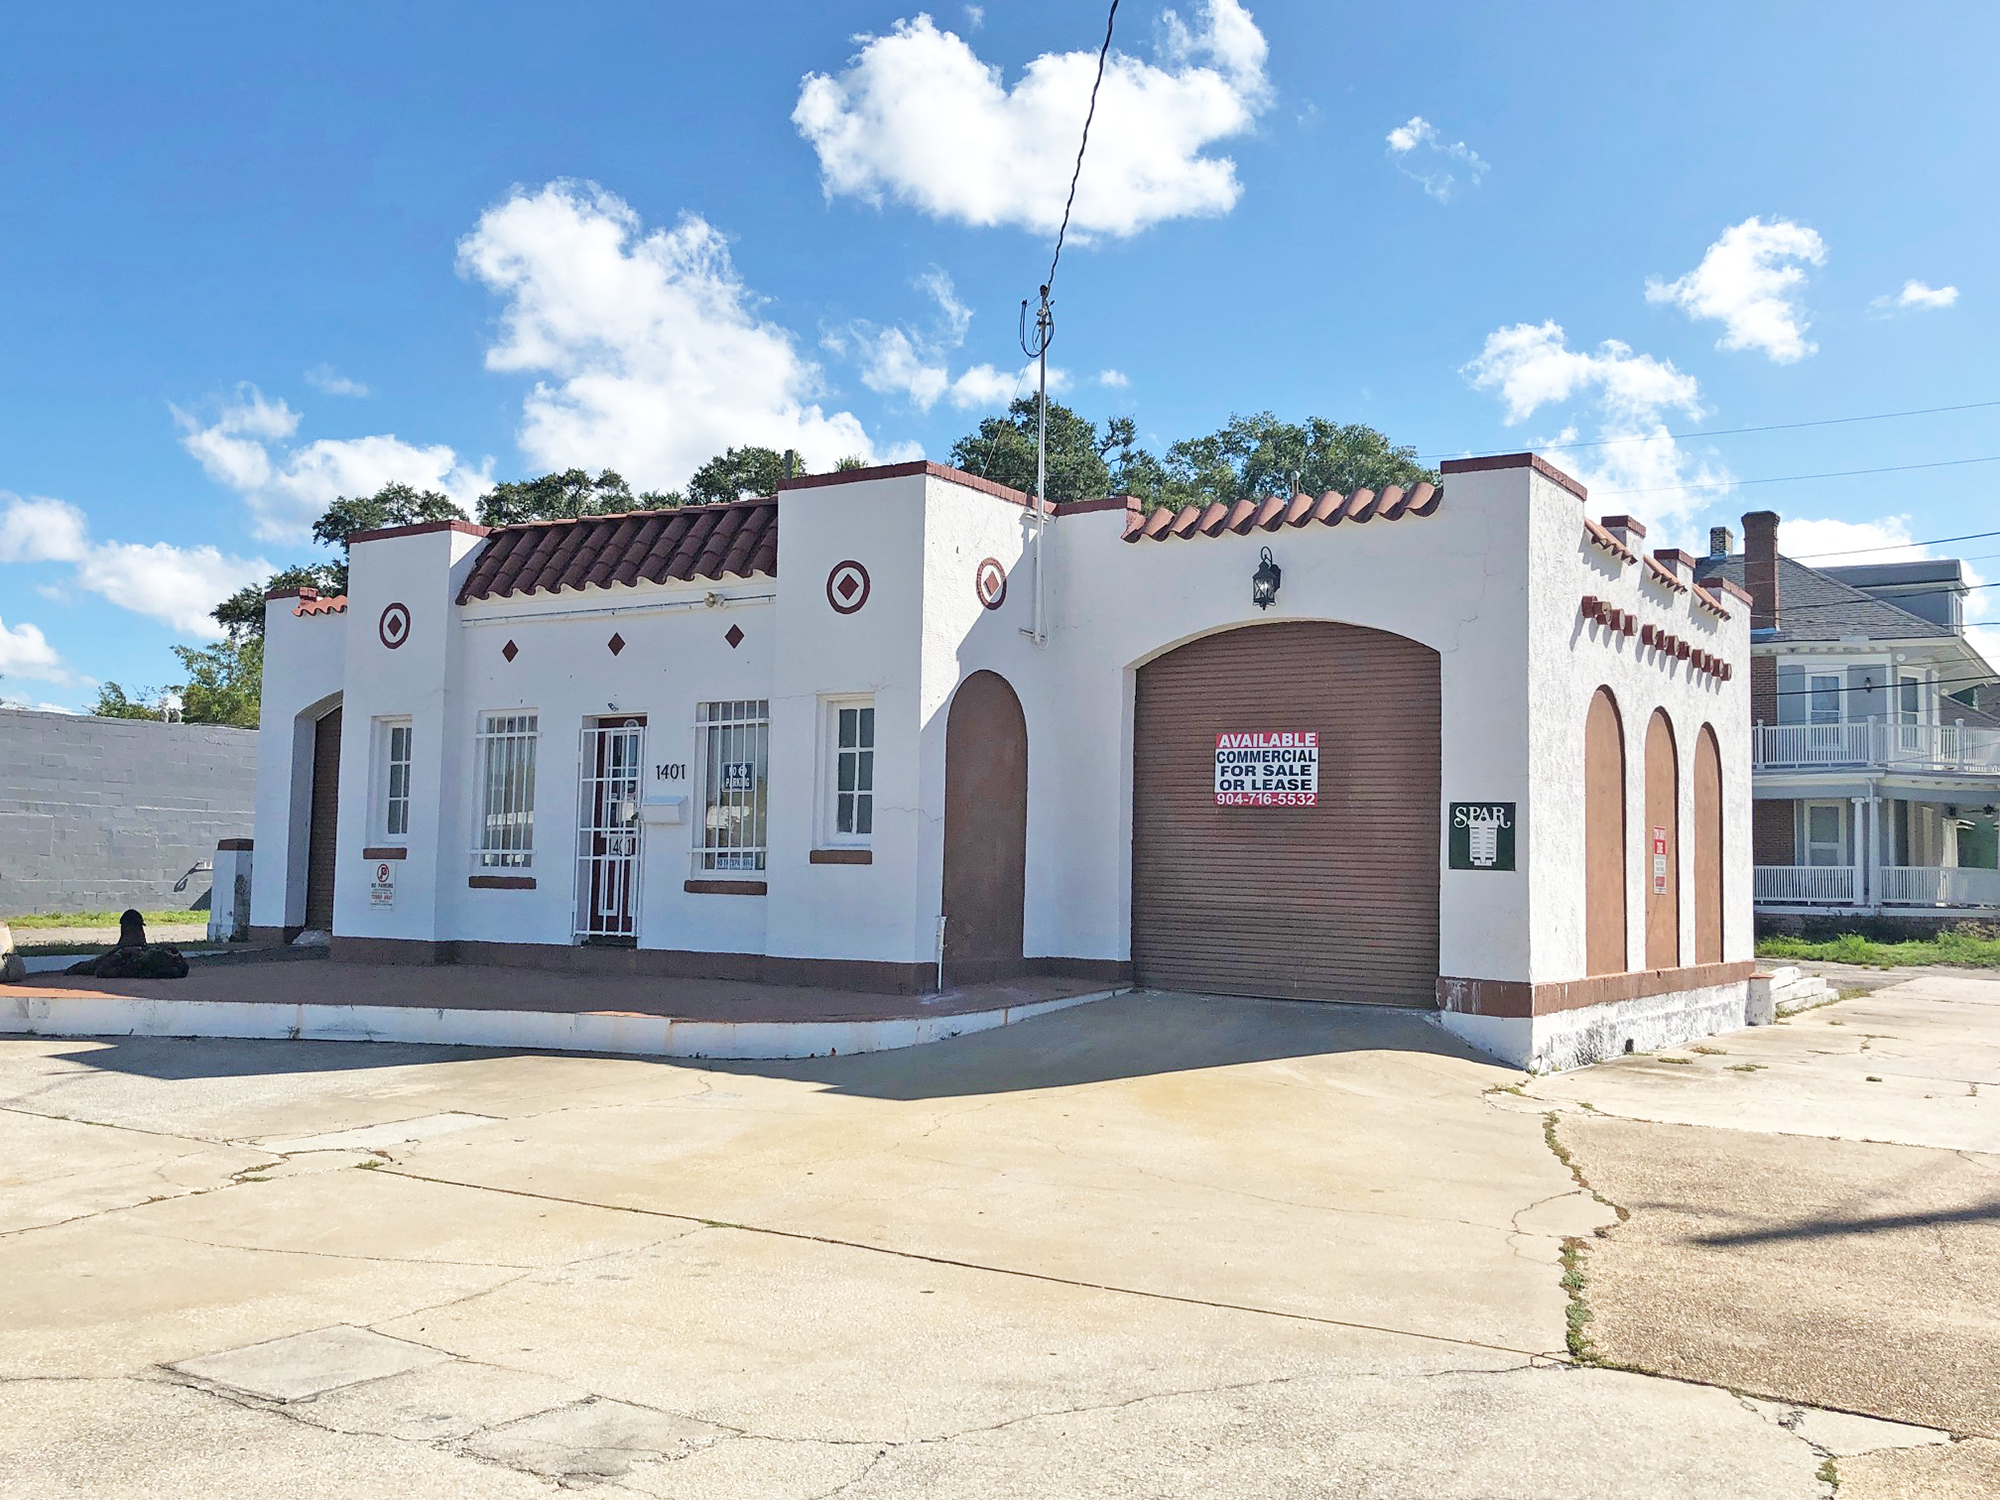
x,y
853,724
506,758
734,742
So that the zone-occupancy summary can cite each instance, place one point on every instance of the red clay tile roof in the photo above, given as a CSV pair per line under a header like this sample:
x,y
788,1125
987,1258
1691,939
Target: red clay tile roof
x,y
311,602
1665,575
651,546
1269,514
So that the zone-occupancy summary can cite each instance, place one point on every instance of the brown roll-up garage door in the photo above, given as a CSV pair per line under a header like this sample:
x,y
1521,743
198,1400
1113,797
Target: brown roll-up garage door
x,y
1333,902
322,832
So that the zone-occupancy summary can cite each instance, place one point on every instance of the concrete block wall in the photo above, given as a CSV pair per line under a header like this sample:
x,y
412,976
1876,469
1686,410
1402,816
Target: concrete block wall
x,y
101,814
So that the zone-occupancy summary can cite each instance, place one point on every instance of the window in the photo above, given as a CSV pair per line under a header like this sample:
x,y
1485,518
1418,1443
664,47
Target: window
x,y
1909,699
392,779
1825,699
733,740
506,830
853,742
1826,833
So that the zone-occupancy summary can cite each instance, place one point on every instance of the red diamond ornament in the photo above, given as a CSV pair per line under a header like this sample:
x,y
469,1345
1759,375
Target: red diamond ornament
x,y
510,651
616,643
733,635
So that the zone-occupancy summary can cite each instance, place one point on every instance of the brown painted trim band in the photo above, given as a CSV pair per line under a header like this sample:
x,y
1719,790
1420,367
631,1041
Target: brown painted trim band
x,y
388,851
1533,461
863,975
500,882
841,857
235,845
422,528
725,887
1519,999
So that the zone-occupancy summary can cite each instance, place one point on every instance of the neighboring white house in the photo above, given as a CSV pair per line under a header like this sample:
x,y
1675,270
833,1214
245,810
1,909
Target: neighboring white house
x,y
1875,780
1463,750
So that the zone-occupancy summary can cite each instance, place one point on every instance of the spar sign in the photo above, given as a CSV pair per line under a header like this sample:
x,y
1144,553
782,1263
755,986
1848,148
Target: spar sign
x,y
1267,770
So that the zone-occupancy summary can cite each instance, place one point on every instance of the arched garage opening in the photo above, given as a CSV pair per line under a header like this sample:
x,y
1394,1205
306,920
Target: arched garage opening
x,y
1337,901
985,831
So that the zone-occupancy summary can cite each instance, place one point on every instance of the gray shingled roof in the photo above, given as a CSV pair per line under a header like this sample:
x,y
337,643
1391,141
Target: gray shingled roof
x,y
1814,607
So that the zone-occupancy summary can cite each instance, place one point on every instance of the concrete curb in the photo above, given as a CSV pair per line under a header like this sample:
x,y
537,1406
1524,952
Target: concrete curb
x,y
540,1031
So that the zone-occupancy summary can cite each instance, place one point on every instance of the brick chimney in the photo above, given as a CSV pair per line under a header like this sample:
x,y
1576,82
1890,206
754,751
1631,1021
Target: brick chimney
x,y
1721,541
1760,567
1760,577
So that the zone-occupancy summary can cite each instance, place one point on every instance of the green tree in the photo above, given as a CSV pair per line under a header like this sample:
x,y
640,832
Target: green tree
x,y
1003,450
242,613
737,472
557,497
225,681
112,703
394,504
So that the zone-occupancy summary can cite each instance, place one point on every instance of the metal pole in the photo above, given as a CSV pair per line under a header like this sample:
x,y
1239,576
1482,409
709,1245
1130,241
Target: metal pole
x,y
1044,327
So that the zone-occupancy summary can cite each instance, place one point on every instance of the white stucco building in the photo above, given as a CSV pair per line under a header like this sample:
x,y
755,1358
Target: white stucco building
x,y
1476,753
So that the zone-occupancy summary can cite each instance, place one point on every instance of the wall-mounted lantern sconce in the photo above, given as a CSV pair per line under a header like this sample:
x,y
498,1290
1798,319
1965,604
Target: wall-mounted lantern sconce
x,y
1264,582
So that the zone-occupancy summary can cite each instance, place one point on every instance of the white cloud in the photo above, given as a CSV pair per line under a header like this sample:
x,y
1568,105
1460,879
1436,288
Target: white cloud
x,y
1531,366
1749,281
41,531
326,378
178,585
917,364
1916,294
657,354
916,117
1634,464
25,654
975,17
288,487
1425,156
1836,543
1117,379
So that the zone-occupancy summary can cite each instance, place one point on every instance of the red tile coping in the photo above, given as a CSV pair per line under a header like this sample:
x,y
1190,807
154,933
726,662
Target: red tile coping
x,y
1517,998
1272,512
315,605
1598,536
1734,589
905,471
500,882
737,538
1707,600
725,887
420,528
1624,523
1533,461
387,851
1664,575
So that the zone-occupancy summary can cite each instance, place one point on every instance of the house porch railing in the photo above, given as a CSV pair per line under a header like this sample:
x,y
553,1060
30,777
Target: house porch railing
x,y
1951,886
1876,743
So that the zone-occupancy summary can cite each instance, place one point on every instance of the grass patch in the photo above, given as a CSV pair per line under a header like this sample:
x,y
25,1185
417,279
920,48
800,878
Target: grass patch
x,y
1746,1067
1576,1315
1969,945
1828,1475
1685,1062
1711,1051
101,919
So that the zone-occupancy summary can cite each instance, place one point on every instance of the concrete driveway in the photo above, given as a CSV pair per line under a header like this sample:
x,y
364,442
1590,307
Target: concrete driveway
x,y
1156,1246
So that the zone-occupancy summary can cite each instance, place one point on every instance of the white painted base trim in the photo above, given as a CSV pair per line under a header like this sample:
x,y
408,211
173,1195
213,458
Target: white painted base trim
x,y
541,1031
1589,1034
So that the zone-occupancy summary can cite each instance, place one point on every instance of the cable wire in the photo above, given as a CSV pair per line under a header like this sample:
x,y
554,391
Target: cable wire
x,y
1730,484
1970,536
1640,437
1103,53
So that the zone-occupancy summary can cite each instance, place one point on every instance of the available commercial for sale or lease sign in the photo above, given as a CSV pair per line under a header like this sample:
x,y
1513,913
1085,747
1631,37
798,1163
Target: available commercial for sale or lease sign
x,y
1475,753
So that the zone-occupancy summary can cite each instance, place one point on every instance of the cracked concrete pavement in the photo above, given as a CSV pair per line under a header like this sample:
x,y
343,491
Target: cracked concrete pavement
x,y
1160,1245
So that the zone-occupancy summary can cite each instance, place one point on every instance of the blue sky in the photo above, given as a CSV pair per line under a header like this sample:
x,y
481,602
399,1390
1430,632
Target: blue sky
x,y
255,258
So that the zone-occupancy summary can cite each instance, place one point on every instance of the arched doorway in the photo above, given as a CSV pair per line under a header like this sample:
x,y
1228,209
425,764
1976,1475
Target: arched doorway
x,y
1604,836
1663,844
323,822
985,831
1335,901
1707,848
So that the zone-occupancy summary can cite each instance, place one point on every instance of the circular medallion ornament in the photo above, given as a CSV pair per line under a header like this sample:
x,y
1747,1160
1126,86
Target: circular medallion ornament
x,y
989,582
394,626
847,587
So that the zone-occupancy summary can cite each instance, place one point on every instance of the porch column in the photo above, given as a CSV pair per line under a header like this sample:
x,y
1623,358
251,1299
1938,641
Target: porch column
x,y
1861,863
1875,840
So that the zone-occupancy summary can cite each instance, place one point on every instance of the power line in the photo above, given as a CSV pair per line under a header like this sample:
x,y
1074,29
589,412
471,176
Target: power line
x,y
1090,114
1885,598
1970,536
1641,437
1730,484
